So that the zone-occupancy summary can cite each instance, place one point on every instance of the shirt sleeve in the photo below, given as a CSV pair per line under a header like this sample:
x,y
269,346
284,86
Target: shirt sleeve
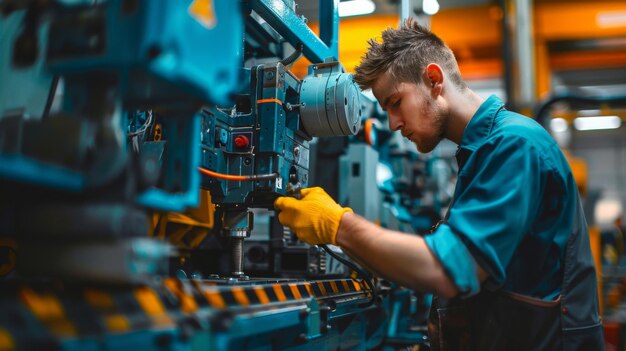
x,y
496,203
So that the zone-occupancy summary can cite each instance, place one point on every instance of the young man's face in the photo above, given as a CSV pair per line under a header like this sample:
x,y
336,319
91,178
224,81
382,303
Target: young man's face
x,y
412,111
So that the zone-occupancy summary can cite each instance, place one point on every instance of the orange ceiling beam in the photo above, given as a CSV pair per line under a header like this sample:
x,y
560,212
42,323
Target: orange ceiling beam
x,y
490,68
588,59
467,30
475,36
580,20
555,21
469,26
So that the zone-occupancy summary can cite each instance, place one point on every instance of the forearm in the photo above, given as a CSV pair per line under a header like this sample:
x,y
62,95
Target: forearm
x,y
353,256
403,258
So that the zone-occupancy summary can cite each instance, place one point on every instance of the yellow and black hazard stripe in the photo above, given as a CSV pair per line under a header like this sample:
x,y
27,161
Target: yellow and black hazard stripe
x,y
46,306
102,301
73,310
68,311
248,295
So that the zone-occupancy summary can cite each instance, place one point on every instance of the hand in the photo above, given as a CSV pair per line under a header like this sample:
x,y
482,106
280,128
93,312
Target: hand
x,y
315,218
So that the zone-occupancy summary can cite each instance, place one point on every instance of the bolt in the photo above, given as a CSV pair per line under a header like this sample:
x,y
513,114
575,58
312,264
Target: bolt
x,y
237,252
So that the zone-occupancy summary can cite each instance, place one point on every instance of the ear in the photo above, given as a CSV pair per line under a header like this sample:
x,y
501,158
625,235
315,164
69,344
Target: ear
x,y
434,77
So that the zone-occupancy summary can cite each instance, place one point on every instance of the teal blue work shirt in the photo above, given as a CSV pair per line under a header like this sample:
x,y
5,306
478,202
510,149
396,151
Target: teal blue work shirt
x,y
513,207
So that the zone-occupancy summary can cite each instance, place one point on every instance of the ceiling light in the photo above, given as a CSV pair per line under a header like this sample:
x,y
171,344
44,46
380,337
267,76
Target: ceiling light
x,y
356,7
558,125
430,7
611,19
607,210
597,122
585,113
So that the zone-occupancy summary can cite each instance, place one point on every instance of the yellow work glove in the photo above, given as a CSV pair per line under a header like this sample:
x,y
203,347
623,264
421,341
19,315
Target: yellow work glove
x,y
314,218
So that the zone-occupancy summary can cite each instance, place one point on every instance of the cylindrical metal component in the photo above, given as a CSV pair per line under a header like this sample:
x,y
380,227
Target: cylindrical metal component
x,y
237,225
331,104
237,256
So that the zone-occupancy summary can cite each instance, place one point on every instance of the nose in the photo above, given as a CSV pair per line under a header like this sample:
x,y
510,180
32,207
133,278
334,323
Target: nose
x,y
395,122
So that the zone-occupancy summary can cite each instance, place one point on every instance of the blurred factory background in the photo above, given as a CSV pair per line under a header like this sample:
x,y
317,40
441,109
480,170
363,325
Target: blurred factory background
x,y
110,238
525,52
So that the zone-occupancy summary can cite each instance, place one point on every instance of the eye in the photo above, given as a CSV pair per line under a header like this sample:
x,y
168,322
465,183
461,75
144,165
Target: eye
x,y
396,104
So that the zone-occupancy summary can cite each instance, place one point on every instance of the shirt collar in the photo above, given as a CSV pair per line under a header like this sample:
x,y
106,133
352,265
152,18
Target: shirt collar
x,y
481,123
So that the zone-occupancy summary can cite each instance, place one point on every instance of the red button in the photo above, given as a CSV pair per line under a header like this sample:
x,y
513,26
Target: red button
x,y
241,141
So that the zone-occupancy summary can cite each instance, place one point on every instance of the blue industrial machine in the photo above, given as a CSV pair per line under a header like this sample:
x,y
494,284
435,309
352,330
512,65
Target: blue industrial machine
x,y
385,179
161,101
259,148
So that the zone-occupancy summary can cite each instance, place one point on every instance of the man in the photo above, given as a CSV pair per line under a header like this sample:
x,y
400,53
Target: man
x,y
511,263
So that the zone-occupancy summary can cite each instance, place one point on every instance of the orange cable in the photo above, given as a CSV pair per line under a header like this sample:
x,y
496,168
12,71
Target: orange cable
x,y
262,101
237,177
